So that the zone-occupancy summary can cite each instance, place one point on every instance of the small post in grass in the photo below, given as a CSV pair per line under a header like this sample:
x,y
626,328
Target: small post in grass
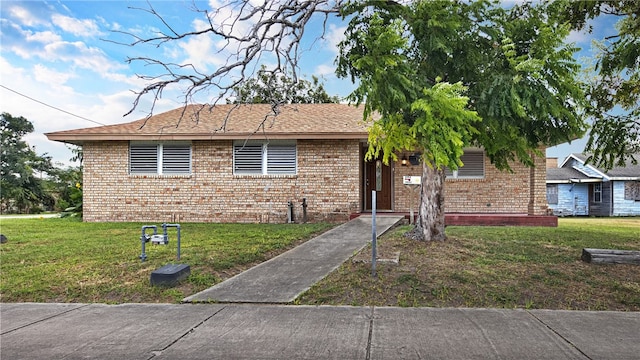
x,y
373,233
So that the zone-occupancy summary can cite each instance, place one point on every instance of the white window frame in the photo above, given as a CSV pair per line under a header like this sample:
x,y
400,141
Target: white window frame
x,y
271,162
159,167
460,172
552,196
597,192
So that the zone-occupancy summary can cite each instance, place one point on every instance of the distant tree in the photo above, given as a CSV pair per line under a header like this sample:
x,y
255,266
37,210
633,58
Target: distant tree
x,y
21,188
614,91
65,184
274,88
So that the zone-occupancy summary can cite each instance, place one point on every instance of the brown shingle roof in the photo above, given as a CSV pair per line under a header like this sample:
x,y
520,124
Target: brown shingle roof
x,y
297,121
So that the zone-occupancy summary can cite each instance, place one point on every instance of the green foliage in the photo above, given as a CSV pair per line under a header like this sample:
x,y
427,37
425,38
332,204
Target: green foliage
x,y
66,184
447,75
74,206
614,91
22,190
269,87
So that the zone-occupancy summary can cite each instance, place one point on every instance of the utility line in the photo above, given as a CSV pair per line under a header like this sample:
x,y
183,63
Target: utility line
x,y
53,107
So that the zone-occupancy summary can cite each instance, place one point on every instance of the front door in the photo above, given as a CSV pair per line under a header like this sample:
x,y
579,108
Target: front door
x,y
383,196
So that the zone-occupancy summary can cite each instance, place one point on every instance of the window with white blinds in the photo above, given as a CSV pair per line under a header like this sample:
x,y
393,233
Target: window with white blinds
x,y
159,158
473,168
176,159
247,159
143,159
264,158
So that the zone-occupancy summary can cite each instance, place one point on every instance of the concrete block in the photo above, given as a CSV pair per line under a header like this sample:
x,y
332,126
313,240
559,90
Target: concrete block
x,y
170,274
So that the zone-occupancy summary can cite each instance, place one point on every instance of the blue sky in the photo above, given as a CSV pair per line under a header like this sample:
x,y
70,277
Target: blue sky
x,y
54,52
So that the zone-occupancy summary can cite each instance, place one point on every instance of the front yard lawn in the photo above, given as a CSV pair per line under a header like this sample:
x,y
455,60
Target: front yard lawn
x,y
495,267
65,260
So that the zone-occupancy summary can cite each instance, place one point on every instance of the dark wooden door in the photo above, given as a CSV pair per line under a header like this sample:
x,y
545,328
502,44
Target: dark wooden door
x,y
383,197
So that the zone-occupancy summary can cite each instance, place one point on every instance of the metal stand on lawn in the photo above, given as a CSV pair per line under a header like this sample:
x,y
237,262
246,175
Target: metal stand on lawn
x,y
170,274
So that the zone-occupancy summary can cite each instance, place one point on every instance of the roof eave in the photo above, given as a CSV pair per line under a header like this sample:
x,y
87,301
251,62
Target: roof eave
x,y
563,181
625,178
82,138
590,180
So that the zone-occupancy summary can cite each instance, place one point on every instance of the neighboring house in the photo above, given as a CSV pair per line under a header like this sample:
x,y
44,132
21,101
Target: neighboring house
x,y
240,164
576,188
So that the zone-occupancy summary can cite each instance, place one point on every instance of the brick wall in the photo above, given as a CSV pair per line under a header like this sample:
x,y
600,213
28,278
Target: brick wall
x,y
538,187
327,178
520,192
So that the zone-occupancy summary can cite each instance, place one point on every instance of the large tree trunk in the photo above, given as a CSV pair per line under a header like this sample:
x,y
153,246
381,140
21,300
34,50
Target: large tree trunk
x,y
430,225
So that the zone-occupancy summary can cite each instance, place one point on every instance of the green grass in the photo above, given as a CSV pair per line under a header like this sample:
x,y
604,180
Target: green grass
x,y
65,260
503,267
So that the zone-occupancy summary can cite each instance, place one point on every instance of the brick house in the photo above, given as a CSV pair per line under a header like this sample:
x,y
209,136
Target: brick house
x,y
247,166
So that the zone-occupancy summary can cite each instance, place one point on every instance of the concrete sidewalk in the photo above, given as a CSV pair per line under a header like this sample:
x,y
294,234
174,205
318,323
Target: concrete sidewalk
x,y
243,331
283,278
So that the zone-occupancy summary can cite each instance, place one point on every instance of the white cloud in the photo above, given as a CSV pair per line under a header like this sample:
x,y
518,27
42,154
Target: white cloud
x,y
200,52
51,77
112,107
42,36
121,78
50,47
224,16
24,16
334,36
325,69
79,54
579,37
77,27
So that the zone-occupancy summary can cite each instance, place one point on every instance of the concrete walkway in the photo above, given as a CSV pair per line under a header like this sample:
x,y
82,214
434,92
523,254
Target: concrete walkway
x,y
283,278
251,331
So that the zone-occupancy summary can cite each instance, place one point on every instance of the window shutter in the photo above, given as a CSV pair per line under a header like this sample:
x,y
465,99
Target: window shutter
x,y
247,159
473,165
281,159
448,173
176,159
143,159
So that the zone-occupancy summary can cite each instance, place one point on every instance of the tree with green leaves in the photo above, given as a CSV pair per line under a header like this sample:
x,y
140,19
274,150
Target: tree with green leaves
x,y
274,88
21,188
614,89
66,185
438,75
445,75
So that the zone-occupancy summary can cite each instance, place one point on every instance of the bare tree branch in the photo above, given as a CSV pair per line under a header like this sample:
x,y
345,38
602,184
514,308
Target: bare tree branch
x,y
247,35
